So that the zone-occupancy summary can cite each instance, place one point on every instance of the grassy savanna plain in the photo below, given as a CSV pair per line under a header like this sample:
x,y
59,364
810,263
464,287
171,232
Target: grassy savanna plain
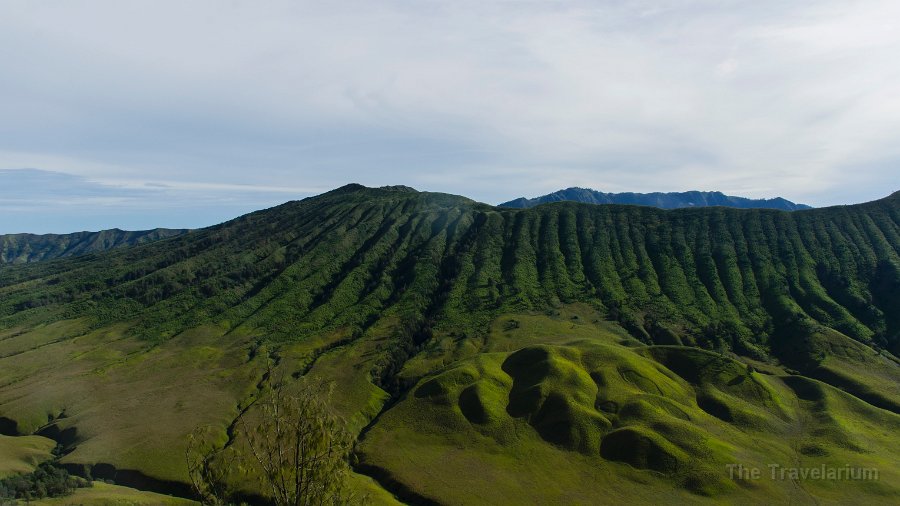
x,y
567,353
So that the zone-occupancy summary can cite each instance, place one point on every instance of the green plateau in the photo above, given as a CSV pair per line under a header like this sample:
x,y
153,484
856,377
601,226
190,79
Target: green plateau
x,y
566,353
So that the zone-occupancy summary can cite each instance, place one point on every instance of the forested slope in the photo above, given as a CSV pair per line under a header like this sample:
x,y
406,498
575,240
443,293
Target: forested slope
x,y
704,276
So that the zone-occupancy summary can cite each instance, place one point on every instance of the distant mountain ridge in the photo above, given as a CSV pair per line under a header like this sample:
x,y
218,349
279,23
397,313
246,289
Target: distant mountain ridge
x,y
673,200
25,248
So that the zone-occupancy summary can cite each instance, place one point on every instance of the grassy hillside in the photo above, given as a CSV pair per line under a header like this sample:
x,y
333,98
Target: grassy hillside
x,y
20,455
22,248
564,353
589,420
104,494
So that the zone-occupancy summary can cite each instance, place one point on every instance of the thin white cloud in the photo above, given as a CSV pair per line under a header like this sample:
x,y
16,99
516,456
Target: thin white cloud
x,y
172,185
41,201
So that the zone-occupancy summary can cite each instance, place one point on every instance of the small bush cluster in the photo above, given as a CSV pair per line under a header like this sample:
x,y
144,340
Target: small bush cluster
x,y
46,481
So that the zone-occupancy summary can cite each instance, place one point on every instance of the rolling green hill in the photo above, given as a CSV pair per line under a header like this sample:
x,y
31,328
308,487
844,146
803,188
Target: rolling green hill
x,y
22,248
567,353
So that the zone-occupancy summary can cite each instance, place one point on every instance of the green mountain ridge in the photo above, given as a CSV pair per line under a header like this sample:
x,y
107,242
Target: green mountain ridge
x,y
22,248
567,353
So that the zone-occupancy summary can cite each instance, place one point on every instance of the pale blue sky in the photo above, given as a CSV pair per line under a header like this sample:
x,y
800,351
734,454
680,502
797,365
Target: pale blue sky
x,y
183,114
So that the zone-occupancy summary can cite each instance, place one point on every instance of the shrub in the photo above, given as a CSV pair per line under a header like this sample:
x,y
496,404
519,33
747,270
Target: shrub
x,y
46,481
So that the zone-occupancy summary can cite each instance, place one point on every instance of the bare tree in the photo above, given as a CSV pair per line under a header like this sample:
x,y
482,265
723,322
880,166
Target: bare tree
x,y
298,448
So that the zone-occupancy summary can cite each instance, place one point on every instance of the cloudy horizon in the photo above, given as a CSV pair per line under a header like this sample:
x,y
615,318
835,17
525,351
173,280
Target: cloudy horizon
x,y
145,114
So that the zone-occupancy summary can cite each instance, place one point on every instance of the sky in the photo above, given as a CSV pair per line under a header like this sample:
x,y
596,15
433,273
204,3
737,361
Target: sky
x,y
137,114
